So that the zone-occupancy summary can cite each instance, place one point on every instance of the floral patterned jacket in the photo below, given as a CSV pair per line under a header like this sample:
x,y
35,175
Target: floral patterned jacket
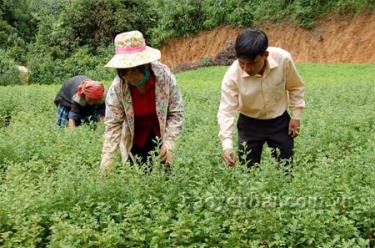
x,y
119,116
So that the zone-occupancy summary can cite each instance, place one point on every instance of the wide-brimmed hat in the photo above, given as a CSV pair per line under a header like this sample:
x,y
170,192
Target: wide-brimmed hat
x,y
131,51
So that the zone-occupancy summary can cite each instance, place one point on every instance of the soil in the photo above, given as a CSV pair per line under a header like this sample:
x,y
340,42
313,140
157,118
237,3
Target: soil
x,y
335,39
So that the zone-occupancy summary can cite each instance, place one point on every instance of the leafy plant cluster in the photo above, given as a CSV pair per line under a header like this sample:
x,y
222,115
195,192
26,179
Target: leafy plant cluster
x,y
57,39
70,37
9,74
52,194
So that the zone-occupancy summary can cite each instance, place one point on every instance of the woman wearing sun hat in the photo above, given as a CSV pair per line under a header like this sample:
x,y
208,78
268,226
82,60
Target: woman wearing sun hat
x,y
143,103
80,100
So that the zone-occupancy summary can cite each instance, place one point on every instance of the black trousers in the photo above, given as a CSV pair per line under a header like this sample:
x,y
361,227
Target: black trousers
x,y
253,133
142,154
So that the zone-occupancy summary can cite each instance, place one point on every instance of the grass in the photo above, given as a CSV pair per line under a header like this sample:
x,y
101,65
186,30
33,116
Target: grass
x,y
52,195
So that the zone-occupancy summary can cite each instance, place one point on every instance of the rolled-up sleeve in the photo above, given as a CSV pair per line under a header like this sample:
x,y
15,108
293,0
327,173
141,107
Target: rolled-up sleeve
x,y
229,104
296,90
114,118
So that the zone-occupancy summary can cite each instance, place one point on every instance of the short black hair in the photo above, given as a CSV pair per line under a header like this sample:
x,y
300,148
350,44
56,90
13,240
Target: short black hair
x,y
251,43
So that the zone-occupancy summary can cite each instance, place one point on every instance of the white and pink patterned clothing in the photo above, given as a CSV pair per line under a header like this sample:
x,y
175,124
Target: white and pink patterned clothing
x,y
119,117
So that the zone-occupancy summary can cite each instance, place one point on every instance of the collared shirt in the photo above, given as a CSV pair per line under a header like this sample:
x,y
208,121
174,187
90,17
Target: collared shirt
x,y
145,118
262,97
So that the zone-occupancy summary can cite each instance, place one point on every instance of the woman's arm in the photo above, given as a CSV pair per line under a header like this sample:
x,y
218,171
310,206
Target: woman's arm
x,y
175,115
114,118
71,124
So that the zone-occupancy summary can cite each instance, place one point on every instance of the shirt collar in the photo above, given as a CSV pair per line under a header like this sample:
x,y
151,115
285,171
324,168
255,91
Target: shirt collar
x,y
271,63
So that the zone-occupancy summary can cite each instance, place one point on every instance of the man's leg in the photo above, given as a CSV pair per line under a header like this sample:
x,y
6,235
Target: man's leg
x,y
251,138
250,152
281,147
281,143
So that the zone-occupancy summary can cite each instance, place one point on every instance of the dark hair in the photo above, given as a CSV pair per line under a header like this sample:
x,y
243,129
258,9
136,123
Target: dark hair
x,y
251,43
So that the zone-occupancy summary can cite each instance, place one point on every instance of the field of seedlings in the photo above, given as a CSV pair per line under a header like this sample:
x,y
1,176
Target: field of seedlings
x,y
52,194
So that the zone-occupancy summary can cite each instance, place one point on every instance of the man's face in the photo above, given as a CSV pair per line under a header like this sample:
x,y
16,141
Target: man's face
x,y
253,67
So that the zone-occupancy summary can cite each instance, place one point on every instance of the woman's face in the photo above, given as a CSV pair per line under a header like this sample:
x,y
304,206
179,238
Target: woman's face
x,y
133,74
91,102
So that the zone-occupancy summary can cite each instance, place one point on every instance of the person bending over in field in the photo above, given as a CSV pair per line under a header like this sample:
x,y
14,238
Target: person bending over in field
x,y
143,103
80,100
260,85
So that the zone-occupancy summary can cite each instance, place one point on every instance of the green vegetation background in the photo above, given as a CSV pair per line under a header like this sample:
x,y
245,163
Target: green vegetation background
x,y
57,39
51,194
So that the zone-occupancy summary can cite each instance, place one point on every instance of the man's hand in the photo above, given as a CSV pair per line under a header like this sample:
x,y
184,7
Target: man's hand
x,y
165,155
229,157
294,127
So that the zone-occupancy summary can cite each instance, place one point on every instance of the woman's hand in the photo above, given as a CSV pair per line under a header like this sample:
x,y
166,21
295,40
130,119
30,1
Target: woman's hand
x,y
165,155
71,124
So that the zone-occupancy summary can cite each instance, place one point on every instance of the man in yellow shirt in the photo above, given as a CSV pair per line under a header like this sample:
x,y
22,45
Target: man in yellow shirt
x,y
260,85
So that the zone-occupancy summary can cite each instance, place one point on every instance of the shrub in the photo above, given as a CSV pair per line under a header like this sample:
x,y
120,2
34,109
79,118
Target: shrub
x,y
48,36
9,74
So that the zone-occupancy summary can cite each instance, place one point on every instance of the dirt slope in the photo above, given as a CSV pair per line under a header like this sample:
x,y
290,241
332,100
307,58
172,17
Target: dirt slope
x,y
335,39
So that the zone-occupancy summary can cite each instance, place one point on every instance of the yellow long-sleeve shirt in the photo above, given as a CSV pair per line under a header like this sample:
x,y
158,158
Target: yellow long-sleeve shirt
x,y
261,97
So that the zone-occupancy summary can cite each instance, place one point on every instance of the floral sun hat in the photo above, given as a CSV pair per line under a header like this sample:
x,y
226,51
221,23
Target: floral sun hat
x,y
131,51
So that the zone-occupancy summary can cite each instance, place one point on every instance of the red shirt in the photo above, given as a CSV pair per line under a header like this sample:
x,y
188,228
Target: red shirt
x,y
145,118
